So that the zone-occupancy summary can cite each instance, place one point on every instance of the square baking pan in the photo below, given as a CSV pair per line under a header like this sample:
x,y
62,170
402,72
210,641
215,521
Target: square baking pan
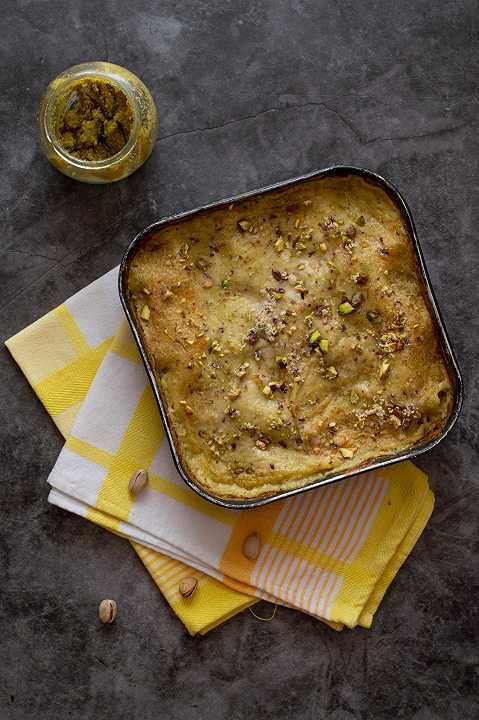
x,y
325,479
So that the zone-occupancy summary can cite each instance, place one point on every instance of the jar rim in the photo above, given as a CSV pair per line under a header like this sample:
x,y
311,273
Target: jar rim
x,y
82,72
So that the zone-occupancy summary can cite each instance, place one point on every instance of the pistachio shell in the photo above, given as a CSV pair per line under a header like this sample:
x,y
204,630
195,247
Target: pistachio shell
x,y
138,481
252,546
107,611
188,586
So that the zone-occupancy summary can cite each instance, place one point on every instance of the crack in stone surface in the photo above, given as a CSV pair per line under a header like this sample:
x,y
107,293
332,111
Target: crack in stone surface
x,y
30,254
322,104
77,257
243,118
11,300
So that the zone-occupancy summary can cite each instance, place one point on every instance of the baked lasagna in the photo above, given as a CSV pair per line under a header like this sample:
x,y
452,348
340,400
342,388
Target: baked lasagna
x,y
290,336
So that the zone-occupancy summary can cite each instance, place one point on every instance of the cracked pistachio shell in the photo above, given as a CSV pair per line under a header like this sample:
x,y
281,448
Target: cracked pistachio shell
x,y
188,586
107,611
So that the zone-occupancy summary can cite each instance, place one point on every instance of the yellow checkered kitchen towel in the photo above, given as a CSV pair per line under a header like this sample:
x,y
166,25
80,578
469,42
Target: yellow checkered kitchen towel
x,y
331,552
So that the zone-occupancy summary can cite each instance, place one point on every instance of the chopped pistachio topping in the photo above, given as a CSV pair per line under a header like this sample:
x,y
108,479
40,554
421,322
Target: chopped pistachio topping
x,y
314,337
345,308
187,408
361,220
384,368
348,242
374,316
242,370
279,245
245,225
324,345
225,284
391,342
360,278
323,247
145,312
356,299
347,452
184,250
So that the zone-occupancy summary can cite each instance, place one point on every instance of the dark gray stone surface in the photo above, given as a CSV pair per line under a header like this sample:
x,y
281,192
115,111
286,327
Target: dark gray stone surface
x,y
249,92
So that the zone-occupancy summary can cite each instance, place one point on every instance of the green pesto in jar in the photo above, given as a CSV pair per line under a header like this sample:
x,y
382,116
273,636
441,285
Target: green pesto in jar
x,y
96,122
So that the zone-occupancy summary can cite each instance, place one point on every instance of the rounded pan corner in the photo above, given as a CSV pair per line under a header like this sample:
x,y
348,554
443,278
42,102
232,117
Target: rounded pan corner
x,y
452,364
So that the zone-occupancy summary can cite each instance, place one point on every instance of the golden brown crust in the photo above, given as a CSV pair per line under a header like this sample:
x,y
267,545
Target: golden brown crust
x,y
290,336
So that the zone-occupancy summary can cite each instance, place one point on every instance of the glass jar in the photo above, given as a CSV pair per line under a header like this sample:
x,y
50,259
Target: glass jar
x,y
60,97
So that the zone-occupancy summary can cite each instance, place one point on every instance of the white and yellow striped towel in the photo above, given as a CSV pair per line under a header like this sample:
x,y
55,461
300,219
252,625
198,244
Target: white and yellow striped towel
x,y
331,552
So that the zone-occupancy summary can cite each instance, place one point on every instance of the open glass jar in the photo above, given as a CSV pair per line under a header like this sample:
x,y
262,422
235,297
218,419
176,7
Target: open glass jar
x,y
60,99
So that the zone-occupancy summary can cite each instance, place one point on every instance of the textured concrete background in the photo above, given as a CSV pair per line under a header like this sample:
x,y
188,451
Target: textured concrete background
x,y
249,92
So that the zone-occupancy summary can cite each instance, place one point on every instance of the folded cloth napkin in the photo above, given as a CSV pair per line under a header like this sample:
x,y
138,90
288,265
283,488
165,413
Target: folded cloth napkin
x,y
330,552
60,354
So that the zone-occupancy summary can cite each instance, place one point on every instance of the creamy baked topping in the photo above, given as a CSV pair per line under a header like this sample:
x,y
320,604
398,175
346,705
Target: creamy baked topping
x,y
290,336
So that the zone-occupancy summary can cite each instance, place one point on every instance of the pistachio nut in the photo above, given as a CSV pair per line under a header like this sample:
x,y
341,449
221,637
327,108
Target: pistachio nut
x,y
252,546
374,316
107,611
347,452
188,586
345,308
356,299
138,481
145,313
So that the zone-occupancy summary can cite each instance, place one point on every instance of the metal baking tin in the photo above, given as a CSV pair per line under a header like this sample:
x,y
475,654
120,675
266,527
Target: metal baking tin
x,y
450,358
